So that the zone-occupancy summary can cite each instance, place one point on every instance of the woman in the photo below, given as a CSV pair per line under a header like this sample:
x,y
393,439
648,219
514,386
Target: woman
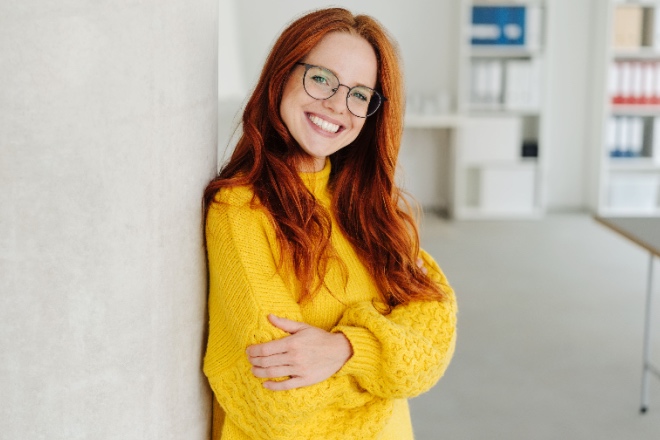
x,y
324,313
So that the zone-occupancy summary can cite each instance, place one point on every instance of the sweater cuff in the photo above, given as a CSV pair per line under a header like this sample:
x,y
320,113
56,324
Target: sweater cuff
x,y
366,357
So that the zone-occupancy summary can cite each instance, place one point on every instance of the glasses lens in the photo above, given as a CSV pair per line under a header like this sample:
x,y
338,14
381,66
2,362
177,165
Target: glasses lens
x,y
320,83
363,101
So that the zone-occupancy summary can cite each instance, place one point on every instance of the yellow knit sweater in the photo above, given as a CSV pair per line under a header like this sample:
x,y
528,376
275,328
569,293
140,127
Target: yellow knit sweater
x,y
396,356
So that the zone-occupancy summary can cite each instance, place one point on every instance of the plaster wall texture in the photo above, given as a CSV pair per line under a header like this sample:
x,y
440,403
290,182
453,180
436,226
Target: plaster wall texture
x,y
108,135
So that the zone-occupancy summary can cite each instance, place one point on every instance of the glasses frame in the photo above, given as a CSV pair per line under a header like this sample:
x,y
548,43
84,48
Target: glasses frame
x,y
381,98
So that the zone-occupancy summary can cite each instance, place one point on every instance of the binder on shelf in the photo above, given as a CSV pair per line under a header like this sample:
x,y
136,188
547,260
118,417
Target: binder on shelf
x,y
614,84
612,138
477,82
522,84
648,88
474,82
637,80
510,26
625,136
652,28
636,141
622,136
655,98
627,31
495,81
626,82
486,78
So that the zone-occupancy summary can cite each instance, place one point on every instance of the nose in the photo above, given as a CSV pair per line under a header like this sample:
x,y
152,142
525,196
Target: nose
x,y
337,102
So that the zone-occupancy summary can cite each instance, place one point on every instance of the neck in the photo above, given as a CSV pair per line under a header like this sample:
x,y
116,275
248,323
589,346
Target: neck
x,y
311,164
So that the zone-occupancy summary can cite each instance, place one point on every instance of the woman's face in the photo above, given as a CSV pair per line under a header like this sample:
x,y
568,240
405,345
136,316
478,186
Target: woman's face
x,y
322,127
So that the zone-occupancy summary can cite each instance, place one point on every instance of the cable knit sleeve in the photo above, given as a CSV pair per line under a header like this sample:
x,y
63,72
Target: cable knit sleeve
x,y
405,353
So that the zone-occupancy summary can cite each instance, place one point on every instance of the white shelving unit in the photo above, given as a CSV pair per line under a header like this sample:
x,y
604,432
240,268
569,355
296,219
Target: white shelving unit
x,y
492,176
625,141
503,184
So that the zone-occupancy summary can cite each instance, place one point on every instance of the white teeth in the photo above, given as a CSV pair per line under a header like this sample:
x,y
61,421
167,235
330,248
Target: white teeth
x,y
325,125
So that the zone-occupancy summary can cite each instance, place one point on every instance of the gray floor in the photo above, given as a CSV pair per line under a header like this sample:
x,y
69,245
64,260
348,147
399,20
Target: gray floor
x,y
549,336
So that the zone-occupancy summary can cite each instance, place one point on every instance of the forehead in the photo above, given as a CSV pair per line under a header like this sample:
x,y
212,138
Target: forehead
x,y
349,56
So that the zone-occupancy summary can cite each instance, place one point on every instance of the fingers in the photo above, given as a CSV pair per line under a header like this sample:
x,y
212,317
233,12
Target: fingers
x,y
287,325
270,361
272,372
273,353
277,365
289,384
278,346
420,264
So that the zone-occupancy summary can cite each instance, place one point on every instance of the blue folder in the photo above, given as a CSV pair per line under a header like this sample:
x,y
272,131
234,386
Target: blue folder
x,y
498,25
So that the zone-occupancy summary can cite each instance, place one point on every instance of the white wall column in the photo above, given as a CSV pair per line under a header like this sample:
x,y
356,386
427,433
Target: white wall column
x,y
108,134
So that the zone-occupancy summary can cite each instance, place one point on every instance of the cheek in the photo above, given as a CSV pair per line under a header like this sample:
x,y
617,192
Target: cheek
x,y
356,129
287,114
288,102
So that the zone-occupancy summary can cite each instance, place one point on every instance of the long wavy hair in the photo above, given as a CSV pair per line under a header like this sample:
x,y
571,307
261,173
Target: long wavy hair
x,y
370,209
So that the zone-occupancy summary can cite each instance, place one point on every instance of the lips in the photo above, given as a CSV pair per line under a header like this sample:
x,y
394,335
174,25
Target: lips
x,y
323,124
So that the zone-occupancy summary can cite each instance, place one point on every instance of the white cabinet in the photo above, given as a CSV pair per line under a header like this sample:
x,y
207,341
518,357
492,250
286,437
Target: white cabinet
x,y
625,141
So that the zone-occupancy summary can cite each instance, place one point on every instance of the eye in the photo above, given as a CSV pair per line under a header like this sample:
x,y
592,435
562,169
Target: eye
x,y
321,80
361,95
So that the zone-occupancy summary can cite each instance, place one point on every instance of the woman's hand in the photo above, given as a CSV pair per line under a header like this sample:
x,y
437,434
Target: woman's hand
x,y
310,355
420,264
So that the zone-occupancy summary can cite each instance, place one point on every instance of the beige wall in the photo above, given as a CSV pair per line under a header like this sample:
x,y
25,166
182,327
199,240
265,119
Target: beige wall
x,y
108,134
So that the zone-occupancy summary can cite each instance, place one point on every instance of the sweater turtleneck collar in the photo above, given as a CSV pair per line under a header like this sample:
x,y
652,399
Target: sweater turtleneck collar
x,y
317,181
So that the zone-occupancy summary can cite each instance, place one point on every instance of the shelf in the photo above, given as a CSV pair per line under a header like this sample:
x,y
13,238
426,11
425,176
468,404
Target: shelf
x,y
645,3
633,164
448,120
495,51
635,110
507,2
500,109
643,53
522,163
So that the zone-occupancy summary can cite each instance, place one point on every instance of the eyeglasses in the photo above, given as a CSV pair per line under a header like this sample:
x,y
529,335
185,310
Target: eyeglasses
x,y
320,83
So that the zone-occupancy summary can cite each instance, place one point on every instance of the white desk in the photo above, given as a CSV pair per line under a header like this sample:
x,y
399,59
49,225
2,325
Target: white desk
x,y
645,231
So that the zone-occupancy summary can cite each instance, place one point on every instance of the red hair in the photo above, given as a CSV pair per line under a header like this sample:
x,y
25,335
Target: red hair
x,y
374,215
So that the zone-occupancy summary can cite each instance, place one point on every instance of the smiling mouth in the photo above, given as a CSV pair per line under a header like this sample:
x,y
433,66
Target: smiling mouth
x,y
323,124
